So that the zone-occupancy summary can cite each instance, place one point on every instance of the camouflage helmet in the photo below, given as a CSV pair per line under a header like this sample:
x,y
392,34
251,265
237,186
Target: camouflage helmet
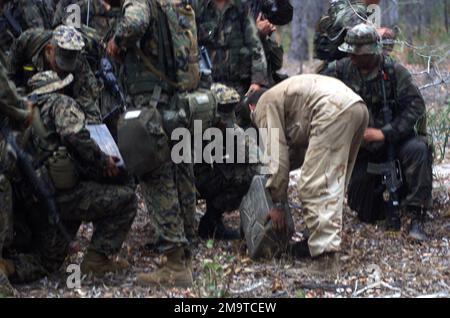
x,y
225,94
227,99
69,43
48,82
362,39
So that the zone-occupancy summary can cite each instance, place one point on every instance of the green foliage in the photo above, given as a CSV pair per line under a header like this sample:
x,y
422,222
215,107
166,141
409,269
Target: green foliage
x,y
300,293
214,282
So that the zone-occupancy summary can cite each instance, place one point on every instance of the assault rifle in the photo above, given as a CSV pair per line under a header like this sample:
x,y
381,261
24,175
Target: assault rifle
x,y
41,188
106,73
390,171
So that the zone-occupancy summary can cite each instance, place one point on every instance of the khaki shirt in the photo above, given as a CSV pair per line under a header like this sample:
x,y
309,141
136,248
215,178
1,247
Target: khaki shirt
x,y
295,106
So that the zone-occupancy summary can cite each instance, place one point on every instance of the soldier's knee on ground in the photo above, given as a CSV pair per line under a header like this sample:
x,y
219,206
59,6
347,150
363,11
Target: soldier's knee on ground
x,y
415,149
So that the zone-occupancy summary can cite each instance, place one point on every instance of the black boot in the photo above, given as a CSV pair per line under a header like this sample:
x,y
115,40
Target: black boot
x,y
416,230
299,250
211,227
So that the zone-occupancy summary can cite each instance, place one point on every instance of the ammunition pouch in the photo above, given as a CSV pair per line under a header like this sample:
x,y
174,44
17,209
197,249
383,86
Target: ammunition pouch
x,y
142,141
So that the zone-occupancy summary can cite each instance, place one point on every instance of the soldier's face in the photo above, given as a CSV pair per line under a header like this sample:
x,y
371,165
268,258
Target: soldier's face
x,y
366,62
50,54
369,2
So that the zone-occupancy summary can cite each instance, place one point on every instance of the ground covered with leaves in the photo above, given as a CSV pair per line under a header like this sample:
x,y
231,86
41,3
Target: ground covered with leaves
x,y
373,263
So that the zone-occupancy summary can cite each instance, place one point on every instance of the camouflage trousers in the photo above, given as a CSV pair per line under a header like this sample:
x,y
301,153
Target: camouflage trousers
x,y
365,194
169,194
111,209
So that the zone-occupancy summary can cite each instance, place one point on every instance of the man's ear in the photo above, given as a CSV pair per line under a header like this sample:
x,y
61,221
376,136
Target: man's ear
x,y
48,50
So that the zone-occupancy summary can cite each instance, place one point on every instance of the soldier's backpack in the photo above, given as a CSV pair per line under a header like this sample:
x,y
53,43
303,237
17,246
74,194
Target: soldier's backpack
x,y
176,23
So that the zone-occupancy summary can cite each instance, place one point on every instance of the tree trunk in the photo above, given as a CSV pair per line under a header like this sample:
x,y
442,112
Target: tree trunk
x,y
389,13
446,13
299,41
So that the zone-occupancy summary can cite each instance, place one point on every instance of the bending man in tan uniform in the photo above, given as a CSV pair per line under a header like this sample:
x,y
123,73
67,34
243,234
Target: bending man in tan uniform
x,y
320,123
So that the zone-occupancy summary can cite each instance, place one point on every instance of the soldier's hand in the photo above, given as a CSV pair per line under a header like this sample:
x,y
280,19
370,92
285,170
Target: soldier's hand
x,y
29,119
253,88
106,5
373,135
264,26
112,49
278,220
111,169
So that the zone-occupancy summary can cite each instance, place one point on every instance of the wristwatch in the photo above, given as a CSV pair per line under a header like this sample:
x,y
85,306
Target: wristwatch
x,y
280,205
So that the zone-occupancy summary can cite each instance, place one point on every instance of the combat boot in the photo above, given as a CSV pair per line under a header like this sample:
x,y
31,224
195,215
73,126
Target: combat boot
x,y
416,230
99,264
325,264
6,270
176,272
299,250
211,227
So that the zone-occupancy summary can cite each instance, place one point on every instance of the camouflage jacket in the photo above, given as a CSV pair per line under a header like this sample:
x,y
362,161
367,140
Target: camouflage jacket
x,y
233,43
31,14
64,122
407,103
173,56
10,102
28,51
99,19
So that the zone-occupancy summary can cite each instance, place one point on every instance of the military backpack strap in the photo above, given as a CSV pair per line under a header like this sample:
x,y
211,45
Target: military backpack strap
x,y
391,77
150,67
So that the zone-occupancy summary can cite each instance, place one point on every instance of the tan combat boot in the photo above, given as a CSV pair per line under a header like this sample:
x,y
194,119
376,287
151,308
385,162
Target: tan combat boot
x,y
99,264
326,264
176,272
6,270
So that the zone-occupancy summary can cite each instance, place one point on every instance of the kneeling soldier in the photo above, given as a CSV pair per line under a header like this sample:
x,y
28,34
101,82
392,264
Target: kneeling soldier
x,y
84,189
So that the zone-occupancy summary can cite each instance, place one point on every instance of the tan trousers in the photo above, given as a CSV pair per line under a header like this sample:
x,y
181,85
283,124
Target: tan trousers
x,y
329,160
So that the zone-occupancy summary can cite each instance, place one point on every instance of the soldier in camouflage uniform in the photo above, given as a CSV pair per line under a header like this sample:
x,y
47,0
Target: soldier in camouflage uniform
x,y
342,16
332,28
60,50
228,31
163,65
85,191
101,14
223,185
366,71
13,107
